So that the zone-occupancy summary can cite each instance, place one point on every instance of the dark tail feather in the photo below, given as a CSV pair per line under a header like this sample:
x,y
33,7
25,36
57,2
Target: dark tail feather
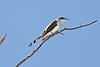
x,y
34,41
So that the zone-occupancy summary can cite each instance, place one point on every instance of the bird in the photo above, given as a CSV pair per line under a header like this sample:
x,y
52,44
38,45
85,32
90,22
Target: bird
x,y
3,38
53,27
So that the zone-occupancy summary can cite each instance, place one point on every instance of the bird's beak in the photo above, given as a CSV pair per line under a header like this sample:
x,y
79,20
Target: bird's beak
x,y
66,19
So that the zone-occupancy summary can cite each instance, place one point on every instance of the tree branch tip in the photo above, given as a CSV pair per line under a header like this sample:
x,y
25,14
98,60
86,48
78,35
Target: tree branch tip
x,y
61,33
95,20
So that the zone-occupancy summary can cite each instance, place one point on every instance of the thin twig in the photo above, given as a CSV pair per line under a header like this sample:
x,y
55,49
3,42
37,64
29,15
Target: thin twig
x,y
79,26
3,38
36,49
33,52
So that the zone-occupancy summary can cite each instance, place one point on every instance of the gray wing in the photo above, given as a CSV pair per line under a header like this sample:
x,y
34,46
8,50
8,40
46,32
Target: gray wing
x,y
49,28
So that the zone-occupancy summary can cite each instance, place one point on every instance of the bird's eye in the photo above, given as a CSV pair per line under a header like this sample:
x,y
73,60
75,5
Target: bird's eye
x,y
61,17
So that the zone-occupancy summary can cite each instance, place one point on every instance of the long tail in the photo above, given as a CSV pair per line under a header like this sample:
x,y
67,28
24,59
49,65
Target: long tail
x,y
34,41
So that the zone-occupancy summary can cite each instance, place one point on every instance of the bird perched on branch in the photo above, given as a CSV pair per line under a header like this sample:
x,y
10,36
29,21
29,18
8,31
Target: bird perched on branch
x,y
50,29
3,38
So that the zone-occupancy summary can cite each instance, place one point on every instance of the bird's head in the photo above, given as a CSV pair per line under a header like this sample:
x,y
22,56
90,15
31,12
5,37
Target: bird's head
x,y
62,19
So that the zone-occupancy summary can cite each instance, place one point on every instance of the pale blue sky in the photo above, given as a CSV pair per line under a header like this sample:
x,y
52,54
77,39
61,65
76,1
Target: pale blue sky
x,y
24,20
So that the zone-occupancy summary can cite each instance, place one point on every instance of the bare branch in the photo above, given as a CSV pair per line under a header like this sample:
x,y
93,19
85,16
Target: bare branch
x,y
33,52
79,26
3,38
44,40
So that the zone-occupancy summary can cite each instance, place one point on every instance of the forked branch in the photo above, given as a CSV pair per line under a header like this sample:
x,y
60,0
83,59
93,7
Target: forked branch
x,y
36,49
